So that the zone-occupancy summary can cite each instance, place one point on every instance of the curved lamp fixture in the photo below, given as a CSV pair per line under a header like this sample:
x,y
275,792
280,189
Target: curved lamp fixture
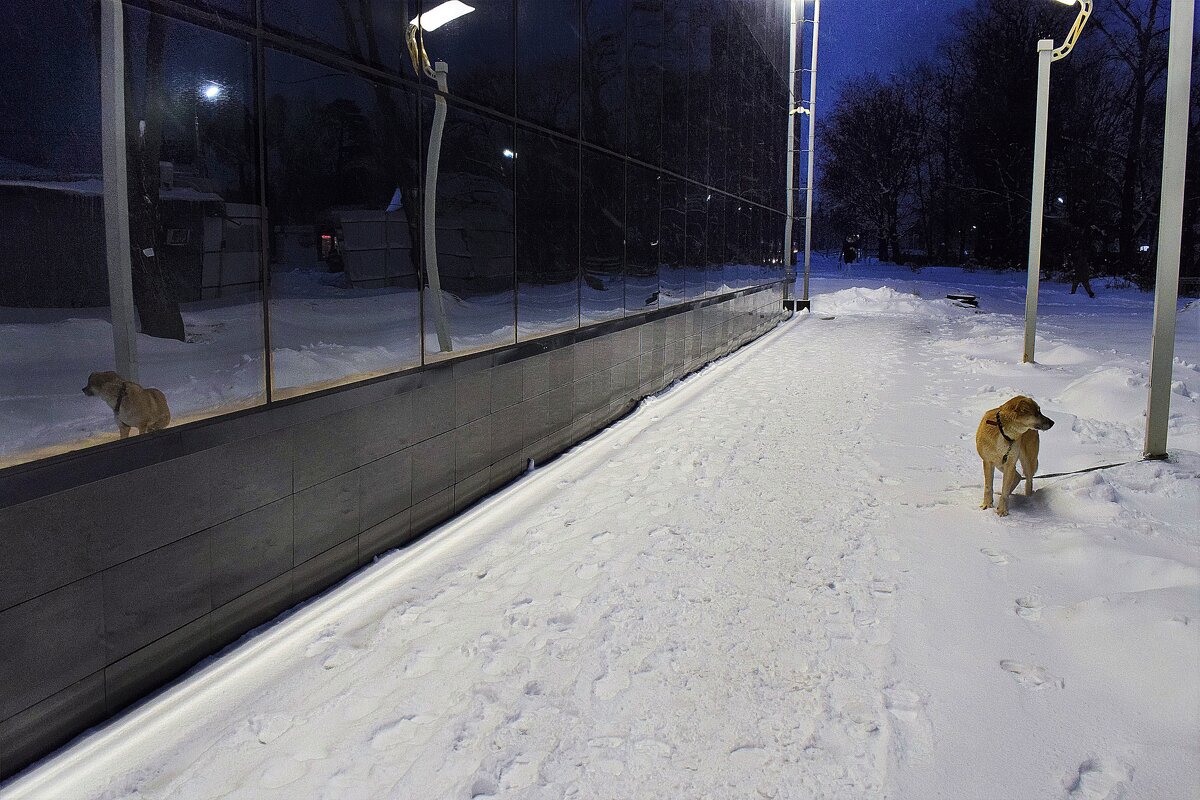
x,y
430,21
1085,11
433,19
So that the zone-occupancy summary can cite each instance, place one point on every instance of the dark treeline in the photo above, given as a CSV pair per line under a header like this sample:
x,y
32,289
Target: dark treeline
x,y
933,165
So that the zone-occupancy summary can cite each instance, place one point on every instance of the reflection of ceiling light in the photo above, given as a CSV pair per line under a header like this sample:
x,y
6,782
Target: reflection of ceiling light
x,y
1145,248
211,91
437,17
509,153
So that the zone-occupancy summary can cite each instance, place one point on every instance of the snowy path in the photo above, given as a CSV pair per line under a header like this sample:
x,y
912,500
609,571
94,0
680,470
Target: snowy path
x,y
657,609
773,581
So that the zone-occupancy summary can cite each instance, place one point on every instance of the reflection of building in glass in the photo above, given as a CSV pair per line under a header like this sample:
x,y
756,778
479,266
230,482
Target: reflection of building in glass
x,y
227,200
210,247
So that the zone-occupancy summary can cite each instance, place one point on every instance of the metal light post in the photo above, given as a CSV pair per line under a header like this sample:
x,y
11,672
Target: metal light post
x,y
1170,227
430,21
797,107
116,188
812,135
1047,54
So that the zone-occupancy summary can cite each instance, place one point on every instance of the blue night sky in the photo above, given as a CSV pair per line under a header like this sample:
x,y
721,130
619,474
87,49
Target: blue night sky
x,y
860,36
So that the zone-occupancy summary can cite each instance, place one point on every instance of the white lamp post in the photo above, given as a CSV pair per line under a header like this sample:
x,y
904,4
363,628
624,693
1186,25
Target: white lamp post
x,y
1170,227
1046,55
430,21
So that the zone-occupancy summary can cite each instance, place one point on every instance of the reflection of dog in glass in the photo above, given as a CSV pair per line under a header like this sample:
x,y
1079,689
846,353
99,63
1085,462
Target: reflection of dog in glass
x,y
133,406
1006,435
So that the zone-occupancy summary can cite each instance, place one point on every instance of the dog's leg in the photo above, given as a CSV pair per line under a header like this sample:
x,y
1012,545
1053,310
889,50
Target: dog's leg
x,y
1029,458
1008,482
989,474
124,430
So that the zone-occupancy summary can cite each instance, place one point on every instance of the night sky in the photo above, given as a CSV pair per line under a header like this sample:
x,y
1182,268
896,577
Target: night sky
x,y
860,36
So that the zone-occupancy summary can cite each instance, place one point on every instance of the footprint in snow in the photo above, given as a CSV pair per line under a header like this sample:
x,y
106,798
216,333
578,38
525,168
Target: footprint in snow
x,y
339,658
1029,608
882,588
1032,677
398,733
995,556
271,726
1098,779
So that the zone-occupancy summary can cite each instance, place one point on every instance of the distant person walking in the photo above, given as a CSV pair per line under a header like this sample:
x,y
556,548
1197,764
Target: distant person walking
x,y
850,250
1081,265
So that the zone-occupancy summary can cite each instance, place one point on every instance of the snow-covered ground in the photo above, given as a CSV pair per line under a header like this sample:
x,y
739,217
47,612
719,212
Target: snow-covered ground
x,y
771,581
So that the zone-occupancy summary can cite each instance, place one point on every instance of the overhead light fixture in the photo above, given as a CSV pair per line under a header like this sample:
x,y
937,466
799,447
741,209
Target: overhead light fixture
x,y
1085,11
448,12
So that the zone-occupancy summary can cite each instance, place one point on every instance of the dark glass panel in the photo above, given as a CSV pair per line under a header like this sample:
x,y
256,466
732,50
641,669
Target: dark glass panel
x,y
194,219
699,89
646,80
368,31
777,175
342,184
715,245
641,240
773,245
744,214
604,50
769,134
697,220
720,121
243,9
54,301
548,46
672,275
675,86
602,239
477,49
547,234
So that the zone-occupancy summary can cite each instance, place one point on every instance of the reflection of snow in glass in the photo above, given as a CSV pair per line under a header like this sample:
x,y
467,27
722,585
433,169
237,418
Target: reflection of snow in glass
x,y
323,333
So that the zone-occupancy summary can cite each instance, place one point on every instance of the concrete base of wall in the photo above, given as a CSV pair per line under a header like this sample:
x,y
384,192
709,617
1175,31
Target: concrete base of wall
x,y
124,565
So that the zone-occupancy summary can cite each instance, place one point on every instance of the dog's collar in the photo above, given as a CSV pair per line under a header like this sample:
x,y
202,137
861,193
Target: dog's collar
x,y
120,398
1011,441
996,422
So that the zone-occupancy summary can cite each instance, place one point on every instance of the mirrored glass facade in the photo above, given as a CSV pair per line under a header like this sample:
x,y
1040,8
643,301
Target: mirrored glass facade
x,y
317,193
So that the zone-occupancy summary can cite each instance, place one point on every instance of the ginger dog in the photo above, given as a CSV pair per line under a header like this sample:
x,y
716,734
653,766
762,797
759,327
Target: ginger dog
x,y
1006,435
133,406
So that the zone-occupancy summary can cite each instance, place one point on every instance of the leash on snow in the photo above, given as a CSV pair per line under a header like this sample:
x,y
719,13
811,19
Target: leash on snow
x,y
1089,469
1085,470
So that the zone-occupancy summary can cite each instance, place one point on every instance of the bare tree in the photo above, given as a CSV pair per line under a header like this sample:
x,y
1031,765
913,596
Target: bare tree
x,y
158,309
871,141
1136,33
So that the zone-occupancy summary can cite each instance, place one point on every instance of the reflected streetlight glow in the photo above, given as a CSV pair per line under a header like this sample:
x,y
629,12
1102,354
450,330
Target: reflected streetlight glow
x,y
447,12
210,91
509,153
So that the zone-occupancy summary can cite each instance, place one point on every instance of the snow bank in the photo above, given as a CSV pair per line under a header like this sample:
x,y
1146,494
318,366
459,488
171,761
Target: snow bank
x,y
880,302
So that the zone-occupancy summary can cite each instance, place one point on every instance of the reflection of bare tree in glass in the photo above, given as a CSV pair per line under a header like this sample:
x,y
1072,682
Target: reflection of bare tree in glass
x,y
157,309
603,70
